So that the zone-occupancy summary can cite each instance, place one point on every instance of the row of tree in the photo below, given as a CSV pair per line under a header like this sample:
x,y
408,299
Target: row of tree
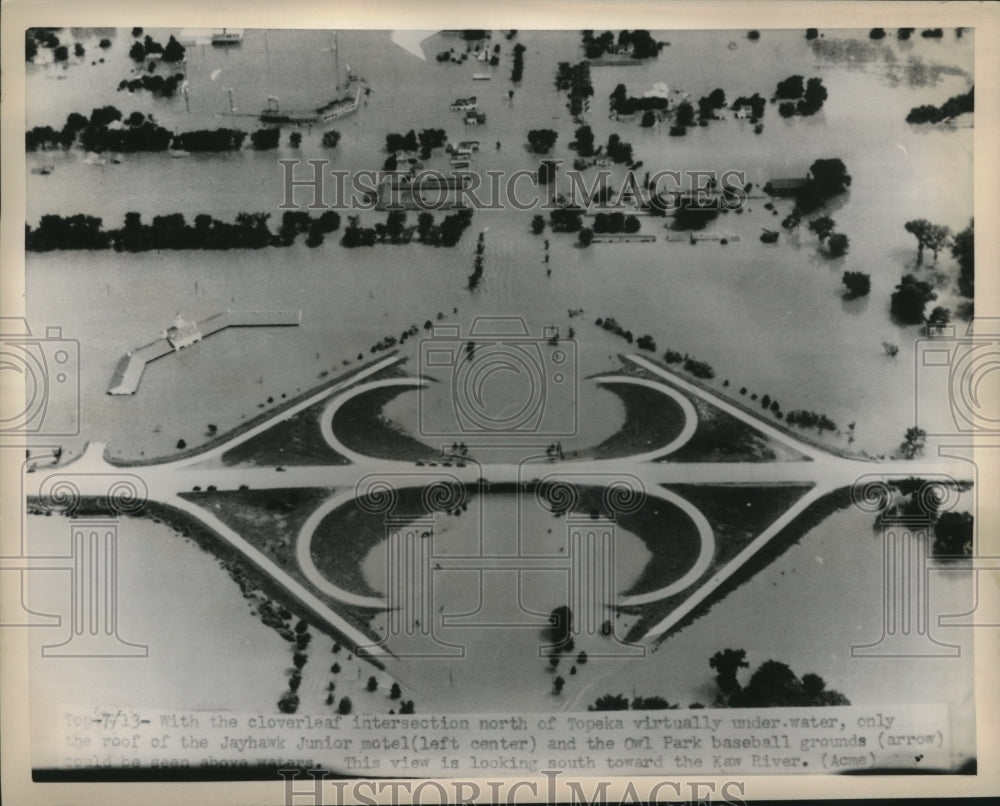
x,y
517,73
173,52
772,685
139,133
575,79
249,231
808,96
156,84
638,44
953,107
396,230
425,142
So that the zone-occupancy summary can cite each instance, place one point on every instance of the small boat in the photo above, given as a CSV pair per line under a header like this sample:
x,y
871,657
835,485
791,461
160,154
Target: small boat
x,y
228,36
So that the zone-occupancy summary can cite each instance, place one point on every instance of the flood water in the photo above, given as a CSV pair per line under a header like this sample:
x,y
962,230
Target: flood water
x,y
769,317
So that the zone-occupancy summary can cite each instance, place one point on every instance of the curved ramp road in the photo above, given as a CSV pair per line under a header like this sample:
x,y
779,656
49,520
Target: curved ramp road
x,y
91,475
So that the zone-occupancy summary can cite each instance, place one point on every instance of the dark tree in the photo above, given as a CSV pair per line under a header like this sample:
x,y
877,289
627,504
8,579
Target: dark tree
x,y
727,663
877,33
822,226
837,244
265,139
913,442
174,51
651,704
939,317
537,225
858,284
610,702
963,249
953,534
909,300
931,236
540,141
586,237
295,139
289,703
344,706
583,142
791,88
774,684
395,692
547,172
560,626
557,685
684,114
372,684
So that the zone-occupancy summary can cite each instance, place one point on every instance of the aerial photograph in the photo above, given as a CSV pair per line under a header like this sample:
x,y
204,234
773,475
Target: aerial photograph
x,y
379,373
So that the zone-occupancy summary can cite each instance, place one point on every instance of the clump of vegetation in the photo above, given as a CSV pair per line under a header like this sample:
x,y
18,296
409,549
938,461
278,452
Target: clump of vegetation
x,y
857,283
952,108
808,95
772,685
156,84
909,300
637,44
518,71
575,79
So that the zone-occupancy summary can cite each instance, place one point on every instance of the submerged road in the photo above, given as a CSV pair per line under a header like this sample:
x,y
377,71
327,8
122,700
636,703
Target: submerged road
x,y
91,475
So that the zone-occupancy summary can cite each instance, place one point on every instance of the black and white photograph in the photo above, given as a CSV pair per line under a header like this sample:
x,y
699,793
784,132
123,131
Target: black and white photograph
x,y
386,410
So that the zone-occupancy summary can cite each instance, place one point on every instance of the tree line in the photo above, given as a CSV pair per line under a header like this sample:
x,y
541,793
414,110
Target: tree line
x,y
171,231
772,685
638,44
953,107
140,133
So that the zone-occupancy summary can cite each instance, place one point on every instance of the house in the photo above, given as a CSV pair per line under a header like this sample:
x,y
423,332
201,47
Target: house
x,y
463,104
182,333
474,118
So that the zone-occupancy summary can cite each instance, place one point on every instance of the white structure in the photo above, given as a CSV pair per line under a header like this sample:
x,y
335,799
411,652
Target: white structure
x,y
182,333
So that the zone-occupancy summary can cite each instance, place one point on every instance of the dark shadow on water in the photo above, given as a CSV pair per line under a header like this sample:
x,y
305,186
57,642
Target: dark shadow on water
x,y
854,305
